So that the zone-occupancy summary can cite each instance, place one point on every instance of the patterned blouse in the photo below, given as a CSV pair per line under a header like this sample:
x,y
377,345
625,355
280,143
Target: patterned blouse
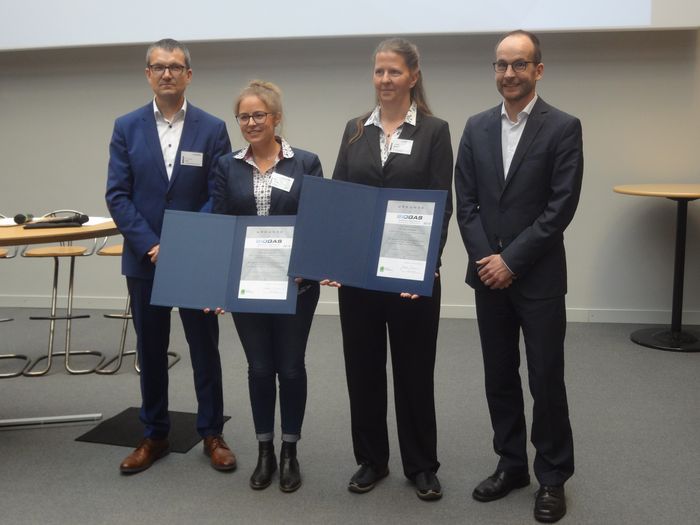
x,y
384,141
262,182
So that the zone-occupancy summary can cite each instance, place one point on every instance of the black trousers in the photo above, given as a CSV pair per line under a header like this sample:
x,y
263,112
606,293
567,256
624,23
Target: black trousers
x,y
502,314
412,325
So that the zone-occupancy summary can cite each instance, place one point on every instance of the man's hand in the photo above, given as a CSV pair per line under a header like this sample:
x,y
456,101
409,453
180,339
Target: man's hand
x,y
494,273
153,253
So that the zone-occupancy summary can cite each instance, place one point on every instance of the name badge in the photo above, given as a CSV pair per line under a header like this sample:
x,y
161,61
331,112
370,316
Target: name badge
x,y
281,182
402,146
191,158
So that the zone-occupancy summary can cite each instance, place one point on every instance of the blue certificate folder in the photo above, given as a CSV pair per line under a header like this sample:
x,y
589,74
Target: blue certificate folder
x,y
339,231
200,260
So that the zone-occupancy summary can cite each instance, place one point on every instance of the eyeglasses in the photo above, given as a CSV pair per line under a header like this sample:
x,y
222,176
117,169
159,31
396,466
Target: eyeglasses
x,y
259,117
518,66
175,69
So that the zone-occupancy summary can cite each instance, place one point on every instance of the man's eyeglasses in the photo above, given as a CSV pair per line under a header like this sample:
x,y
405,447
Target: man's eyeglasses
x,y
518,66
175,69
259,117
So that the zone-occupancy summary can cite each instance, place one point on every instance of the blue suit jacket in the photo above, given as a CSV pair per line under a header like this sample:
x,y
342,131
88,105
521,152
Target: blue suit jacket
x,y
138,189
522,216
233,186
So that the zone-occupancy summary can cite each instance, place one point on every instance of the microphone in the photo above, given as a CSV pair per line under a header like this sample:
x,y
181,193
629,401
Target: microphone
x,y
73,218
23,218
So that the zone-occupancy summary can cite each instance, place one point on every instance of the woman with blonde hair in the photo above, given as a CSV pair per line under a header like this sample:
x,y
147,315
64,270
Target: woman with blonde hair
x,y
265,178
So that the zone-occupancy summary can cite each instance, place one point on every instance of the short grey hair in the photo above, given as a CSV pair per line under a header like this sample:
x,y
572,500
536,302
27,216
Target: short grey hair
x,y
168,44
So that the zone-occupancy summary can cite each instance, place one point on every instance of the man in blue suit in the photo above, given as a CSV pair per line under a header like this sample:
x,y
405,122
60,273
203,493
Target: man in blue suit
x,y
518,180
162,156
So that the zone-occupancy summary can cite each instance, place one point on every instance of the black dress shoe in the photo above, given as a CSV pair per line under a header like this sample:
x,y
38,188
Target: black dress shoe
x,y
266,467
366,478
290,476
499,485
428,486
550,504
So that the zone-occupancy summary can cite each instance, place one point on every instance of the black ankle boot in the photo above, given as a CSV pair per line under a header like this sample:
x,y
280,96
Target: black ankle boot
x,y
267,464
290,477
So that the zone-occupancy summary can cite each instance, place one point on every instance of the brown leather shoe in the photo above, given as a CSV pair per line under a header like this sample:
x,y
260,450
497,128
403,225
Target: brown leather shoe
x,y
221,456
146,453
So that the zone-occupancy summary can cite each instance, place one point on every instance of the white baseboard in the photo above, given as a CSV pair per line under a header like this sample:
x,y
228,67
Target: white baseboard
x,y
448,311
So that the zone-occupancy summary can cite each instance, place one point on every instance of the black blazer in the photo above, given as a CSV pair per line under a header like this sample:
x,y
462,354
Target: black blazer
x,y
233,184
429,166
522,216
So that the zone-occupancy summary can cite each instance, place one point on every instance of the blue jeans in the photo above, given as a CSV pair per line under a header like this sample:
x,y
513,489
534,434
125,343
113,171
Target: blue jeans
x,y
275,345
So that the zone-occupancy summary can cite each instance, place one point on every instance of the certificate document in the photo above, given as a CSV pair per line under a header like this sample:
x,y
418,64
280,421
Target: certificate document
x,y
405,240
385,239
238,263
265,261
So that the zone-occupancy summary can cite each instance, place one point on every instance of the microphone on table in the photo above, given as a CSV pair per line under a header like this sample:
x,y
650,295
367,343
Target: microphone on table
x,y
23,218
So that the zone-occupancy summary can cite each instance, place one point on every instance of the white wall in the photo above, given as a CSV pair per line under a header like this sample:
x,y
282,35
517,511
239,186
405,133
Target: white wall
x,y
637,94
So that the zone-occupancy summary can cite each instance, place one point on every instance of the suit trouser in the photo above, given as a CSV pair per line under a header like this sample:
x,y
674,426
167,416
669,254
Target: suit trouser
x,y
413,326
152,325
275,345
501,316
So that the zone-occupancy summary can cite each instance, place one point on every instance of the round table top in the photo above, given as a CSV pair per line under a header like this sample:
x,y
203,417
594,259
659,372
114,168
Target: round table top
x,y
17,235
670,191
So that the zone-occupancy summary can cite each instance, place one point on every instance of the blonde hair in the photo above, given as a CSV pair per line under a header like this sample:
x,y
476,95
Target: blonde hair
x,y
269,93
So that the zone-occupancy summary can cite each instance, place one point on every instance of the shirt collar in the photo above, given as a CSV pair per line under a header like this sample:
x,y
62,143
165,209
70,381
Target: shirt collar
x,y
285,153
525,111
179,114
410,118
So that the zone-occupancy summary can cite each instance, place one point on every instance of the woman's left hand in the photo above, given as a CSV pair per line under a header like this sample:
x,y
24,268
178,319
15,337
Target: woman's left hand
x,y
217,311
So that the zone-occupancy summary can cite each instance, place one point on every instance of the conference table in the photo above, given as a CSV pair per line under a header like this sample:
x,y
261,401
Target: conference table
x,y
672,338
19,236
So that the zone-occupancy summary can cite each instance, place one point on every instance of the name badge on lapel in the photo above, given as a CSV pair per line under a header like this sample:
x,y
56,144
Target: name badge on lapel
x,y
191,158
402,146
281,182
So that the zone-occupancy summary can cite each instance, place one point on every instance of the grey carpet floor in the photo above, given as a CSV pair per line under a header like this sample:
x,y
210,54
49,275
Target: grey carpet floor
x,y
635,414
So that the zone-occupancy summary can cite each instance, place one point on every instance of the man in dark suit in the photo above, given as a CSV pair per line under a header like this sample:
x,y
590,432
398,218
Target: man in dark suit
x,y
162,156
518,180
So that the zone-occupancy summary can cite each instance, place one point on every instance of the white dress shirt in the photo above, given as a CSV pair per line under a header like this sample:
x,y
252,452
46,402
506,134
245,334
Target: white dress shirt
x,y
511,133
169,133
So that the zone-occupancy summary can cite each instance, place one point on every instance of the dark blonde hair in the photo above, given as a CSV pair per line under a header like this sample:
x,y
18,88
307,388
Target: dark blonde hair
x,y
269,93
409,52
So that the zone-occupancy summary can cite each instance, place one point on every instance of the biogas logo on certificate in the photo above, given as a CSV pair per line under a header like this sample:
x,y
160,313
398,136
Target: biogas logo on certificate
x,y
408,219
269,243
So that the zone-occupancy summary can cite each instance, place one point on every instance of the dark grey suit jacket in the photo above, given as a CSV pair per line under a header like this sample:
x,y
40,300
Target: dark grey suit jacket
x,y
522,216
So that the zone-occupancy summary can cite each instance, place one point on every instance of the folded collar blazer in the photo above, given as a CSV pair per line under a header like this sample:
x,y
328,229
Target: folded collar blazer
x,y
522,215
428,167
233,184
138,189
